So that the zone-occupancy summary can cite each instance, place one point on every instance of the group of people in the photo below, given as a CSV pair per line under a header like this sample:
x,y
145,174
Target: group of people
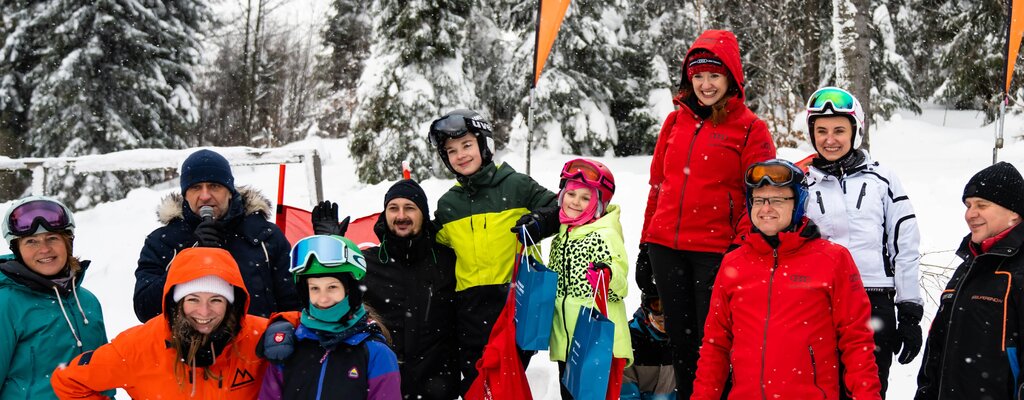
x,y
759,278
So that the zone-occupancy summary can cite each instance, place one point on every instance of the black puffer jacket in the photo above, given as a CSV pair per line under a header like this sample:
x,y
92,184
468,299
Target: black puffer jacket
x,y
259,247
974,344
410,282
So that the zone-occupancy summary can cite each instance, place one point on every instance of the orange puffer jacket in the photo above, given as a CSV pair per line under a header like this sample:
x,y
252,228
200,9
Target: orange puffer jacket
x,y
142,362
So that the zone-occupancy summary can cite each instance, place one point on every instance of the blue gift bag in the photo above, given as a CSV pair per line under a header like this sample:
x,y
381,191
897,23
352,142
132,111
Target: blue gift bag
x,y
535,304
589,361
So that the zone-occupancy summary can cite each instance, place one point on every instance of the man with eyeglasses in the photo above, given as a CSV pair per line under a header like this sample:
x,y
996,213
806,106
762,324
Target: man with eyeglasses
x,y
787,306
211,212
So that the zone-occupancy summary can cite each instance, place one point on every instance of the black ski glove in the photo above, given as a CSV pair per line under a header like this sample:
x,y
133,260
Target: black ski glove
x,y
644,274
539,224
210,233
908,331
278,342
325,219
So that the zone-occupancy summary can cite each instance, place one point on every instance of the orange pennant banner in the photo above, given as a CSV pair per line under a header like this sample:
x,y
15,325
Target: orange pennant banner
x,y
549,20
1013,43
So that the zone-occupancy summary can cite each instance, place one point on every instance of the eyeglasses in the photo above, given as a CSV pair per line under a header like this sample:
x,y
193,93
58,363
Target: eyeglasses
x,y
588,172
837,99
455,126
27,218
328,250
773,201
776,173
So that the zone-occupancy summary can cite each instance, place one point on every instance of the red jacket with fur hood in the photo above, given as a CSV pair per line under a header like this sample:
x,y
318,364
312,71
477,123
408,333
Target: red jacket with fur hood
x,y
696,201
783,318
142,361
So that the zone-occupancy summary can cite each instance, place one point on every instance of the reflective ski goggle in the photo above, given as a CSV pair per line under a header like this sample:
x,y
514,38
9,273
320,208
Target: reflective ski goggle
x,y
455,126
772,173
837,99
654,307
587,172
328,250
27,218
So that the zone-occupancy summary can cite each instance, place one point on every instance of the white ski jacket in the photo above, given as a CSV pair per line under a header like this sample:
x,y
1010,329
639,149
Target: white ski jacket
x,y
869,213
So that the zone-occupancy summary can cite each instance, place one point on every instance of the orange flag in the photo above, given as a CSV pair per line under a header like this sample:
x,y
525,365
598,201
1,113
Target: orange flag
x,y
1016,30
549,18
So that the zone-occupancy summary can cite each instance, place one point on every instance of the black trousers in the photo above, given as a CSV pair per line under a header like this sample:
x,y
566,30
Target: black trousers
x,y
684,280
883,316
477,309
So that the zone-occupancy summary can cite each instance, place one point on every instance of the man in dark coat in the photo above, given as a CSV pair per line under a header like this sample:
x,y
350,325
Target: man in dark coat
x,y
211,212
410,281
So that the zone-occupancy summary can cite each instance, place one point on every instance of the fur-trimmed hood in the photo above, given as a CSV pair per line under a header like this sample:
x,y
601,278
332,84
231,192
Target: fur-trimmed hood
x,y
172,206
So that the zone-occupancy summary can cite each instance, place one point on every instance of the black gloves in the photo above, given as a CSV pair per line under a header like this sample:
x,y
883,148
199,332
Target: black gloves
x,y
644,274
325,219
278,342
539,224
210,233
908,331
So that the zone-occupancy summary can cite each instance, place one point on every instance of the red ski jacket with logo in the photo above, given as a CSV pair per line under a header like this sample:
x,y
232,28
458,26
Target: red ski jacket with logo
x,y
142,361
696,201
783,318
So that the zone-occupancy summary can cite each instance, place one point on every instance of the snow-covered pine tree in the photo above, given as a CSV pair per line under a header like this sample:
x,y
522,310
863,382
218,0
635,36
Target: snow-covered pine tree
x,y
416,72
346,37
892,82
581,79
851,46
963,46
117,75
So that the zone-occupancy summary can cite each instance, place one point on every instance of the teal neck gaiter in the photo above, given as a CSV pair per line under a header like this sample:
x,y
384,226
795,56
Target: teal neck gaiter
x,y
329,319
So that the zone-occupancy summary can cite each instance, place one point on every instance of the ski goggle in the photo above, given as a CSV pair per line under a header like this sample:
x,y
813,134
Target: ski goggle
x,y
455,126
837,99
328,250
27,218
772,173
587,172
654,307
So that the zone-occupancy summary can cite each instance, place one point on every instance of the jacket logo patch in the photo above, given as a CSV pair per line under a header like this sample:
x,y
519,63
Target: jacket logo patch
x,y
987,298
800,278
353,373
242,377
278,337
947,296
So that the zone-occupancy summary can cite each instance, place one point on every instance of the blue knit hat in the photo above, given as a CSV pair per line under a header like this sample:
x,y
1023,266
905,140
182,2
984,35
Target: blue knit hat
x,y
206,166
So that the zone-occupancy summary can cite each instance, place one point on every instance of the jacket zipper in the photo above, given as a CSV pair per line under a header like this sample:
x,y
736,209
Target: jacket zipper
x,y
430,296
767,317
814,373
949,324
731,207
821,204
863,191
686,179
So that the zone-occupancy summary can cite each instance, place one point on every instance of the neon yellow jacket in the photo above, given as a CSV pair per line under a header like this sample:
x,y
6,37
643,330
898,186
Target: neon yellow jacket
x,y
476,217
571,254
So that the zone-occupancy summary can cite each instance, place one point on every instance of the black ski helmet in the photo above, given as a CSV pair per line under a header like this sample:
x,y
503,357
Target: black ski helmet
x,y
456,124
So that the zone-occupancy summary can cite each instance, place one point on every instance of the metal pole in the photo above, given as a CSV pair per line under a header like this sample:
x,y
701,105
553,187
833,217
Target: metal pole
x,y
529,131
999,131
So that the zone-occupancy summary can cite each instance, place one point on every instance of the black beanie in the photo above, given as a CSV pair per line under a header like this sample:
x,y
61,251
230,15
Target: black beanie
x,y
409,189
1001,184
206,166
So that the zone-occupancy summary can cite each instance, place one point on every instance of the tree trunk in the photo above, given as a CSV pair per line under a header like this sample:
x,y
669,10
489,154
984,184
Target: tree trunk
x,y
853,60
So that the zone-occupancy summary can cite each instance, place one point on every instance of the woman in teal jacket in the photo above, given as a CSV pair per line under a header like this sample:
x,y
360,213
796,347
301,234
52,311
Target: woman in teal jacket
x,y
588,242
46,317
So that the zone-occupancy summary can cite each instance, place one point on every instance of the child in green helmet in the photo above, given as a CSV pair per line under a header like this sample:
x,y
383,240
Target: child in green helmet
x,y
337,350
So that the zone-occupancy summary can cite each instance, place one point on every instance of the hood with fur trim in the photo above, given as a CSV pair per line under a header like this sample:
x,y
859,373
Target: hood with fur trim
x,y
249,201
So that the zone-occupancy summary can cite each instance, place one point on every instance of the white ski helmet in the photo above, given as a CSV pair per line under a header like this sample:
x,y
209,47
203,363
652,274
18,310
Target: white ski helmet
x,y
36,214
832,101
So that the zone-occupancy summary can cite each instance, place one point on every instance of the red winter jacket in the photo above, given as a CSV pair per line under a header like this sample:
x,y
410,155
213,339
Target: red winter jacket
x,y
697,193
784,318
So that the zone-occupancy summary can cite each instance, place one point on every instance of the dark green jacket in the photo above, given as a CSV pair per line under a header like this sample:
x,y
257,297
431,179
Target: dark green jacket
x,y
476,217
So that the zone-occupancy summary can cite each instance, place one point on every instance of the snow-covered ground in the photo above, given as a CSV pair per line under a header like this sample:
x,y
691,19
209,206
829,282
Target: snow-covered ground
x,y
934,154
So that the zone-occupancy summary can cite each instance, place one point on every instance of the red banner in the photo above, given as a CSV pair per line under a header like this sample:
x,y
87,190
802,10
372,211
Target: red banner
x,y
1015,30
550,14
296,224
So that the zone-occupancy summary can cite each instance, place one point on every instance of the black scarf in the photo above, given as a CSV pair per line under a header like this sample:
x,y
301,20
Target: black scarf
x,y
702,111
845,165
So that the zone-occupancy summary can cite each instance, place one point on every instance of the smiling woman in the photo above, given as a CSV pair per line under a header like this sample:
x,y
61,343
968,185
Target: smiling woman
x,y
203,345
46,317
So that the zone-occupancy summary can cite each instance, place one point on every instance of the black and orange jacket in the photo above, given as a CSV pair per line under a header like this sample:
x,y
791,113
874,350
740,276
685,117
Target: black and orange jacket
x,y
142,361
974,344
